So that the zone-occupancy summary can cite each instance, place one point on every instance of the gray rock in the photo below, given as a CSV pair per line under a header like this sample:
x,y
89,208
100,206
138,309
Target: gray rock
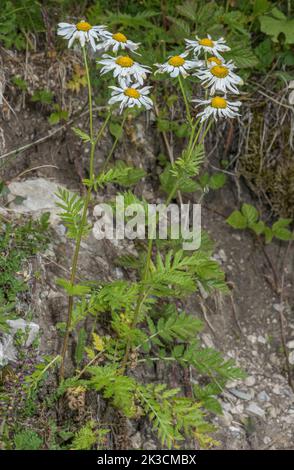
x,y
250,381
291,357
240,394
263,396
255,410
38,197
290,344
8,352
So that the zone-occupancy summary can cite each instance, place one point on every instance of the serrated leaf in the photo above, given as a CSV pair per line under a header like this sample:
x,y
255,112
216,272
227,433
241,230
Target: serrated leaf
x,y
276,24
73,290
258,227
250,213
97,342
217,181
81,134
237,220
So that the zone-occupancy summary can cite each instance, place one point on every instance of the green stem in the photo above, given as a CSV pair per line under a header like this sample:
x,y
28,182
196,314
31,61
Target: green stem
x,y
185,101
114,144
90,108
75,258
206,131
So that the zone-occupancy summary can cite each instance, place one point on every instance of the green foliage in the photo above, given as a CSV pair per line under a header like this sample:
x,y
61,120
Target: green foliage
x,y
80,347
275,24
248,217
119,389
183,170
27,440
33,381
88,437
121,174
17,243
42,97
174,326
72,206
57,115
81,134
172,417
73,289
18,17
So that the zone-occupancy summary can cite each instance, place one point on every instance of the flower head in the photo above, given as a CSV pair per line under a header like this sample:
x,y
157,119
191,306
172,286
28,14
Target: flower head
x,y
124,68
218,107
177,64
220,78
131,95
207,45
82,31
117,41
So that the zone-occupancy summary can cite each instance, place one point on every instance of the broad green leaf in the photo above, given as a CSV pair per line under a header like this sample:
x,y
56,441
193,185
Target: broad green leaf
x,y
260,7
115,130
275,24
268,234
217,180
283,234
281,223
237,220
250,213
258,227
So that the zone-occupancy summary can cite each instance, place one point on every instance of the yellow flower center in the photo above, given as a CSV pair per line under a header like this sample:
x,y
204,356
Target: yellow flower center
x,y
206,42
132,93
124,61
219,71
119,37
176,61
218,102
214,60
83,26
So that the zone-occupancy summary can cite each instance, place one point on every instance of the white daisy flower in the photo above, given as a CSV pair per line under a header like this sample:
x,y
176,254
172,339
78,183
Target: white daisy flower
x,y
124,68
221,78
117,41
130,96
177,64
218,107
82,31
210,61
207,45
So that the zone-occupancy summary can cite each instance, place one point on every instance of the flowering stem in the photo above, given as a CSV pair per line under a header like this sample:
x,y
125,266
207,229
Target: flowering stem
x,y
185,100
90,110
83,217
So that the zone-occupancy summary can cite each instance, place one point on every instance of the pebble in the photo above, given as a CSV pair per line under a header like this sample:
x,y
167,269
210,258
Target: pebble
x,y
263,396
290,344
250,381
240,394
252,339
255,410
261,339
291,357
276,390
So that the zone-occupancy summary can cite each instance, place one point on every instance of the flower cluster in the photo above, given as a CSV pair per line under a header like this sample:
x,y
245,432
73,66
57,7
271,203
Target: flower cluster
x,y
212,70
129,73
